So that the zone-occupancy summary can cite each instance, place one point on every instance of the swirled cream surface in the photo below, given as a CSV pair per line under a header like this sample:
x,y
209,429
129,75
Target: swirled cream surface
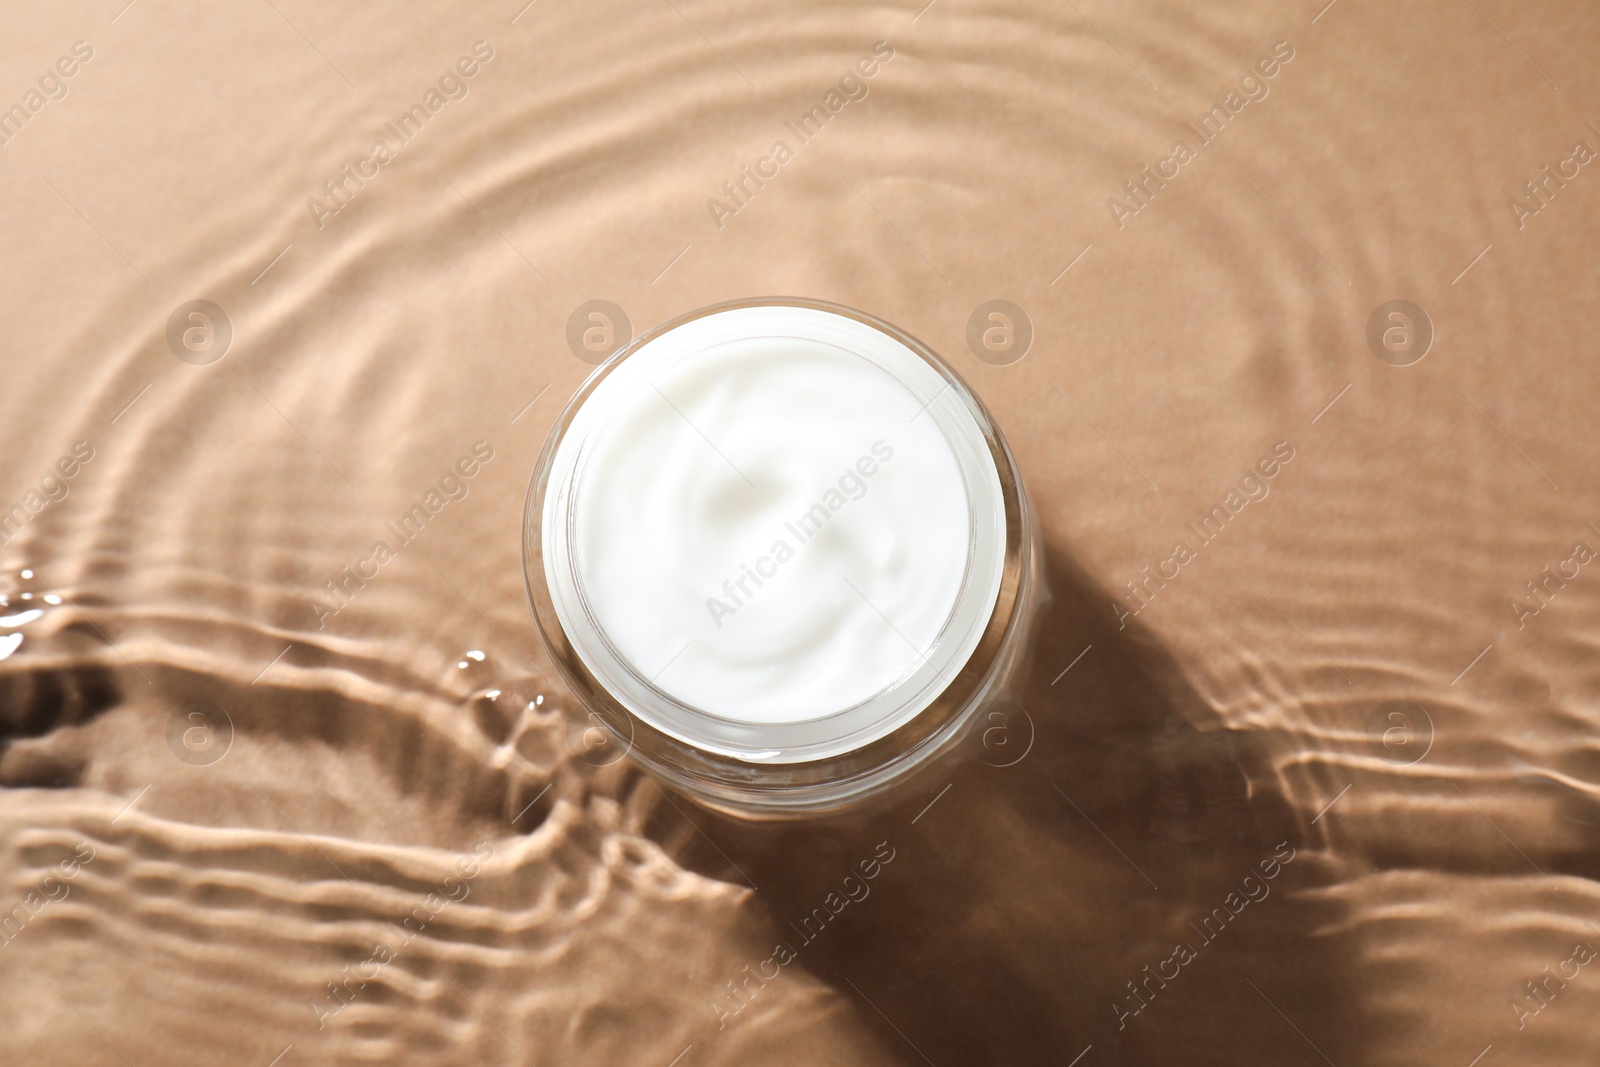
x,y
773,517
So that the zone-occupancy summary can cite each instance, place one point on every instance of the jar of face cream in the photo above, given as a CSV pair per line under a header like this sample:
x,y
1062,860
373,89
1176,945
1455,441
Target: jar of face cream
x,y
782,553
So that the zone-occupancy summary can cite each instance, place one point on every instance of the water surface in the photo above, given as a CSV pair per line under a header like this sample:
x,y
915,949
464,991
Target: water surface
x,y
307,895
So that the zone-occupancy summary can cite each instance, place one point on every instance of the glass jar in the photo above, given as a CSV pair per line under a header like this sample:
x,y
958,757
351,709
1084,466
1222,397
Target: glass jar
x,y
620,525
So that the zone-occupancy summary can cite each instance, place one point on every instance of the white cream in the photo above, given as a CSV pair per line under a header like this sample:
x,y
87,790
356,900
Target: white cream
x,y
774,533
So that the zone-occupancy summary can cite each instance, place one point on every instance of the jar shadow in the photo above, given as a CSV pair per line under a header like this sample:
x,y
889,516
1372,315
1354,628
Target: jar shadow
x,y
1106,866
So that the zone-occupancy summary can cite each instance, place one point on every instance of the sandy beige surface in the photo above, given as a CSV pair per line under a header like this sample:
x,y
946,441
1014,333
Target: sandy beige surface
x,y
1339,687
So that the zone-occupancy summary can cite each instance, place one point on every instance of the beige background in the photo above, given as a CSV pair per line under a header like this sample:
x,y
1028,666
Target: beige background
x,y
368,355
